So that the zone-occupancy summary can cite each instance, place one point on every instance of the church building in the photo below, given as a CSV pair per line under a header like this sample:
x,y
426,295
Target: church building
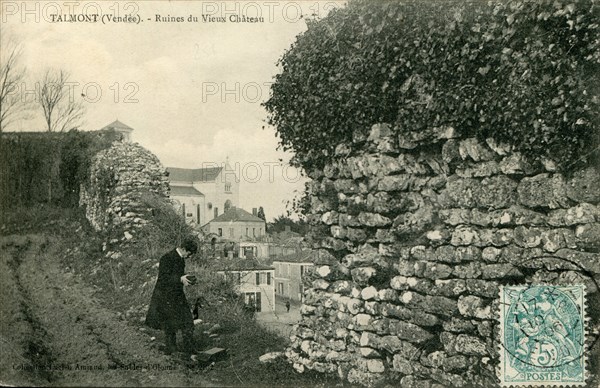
x,y
202,194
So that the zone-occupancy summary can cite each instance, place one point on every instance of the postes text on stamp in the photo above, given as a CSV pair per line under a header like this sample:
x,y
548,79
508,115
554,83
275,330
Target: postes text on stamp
x,y
542,335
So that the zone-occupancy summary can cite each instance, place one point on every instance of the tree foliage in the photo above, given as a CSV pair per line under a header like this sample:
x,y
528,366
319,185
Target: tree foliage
x,y
523,72
33,162
261,213
280,223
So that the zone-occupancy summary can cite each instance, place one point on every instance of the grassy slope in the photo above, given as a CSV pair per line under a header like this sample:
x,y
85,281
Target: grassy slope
x,y
123,287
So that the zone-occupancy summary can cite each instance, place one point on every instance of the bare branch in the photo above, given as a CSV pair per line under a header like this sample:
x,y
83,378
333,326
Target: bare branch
x,y
11,75
61,109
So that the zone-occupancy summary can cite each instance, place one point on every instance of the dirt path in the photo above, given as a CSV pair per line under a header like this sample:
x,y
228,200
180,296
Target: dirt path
x,y
53,331
280,321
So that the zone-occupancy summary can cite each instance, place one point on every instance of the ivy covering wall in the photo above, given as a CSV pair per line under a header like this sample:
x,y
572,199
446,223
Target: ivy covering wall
x,y
521,72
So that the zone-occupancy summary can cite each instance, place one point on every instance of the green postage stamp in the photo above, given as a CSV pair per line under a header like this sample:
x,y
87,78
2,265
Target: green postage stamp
x,y
542,335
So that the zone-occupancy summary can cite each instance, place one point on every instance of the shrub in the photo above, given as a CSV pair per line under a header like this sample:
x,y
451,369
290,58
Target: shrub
x,y
522,72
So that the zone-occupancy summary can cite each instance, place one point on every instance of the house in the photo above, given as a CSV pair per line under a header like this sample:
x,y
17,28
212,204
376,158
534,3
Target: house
x,y
289,273
202,194
253,280
124,129
237,224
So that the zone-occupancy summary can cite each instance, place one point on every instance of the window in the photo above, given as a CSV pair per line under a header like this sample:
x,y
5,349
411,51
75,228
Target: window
x,y
220,231
258,278
183,209
269,278
253,232
216,212
198,214
246,231
189,215
227,186
301,271
230,232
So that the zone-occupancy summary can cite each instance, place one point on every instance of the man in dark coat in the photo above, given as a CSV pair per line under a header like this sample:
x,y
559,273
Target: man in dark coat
x,y
169,309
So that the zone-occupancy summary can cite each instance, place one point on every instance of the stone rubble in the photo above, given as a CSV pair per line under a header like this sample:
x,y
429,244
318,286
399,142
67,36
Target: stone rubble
x,y
114,199
423,232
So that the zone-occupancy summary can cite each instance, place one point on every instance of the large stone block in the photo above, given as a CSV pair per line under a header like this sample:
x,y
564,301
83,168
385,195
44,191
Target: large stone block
x,y
369,293
355,306
485,288
555,239
409,332
369,339
544,190
588,236
468,253
320,284
471,270
436,270
527,237
515,163
475,150
343,287
496,192
403,365
478,170
362,275
490,254
364,378
348,220
469,345
402,182
465,235
460,192
370,353
432,304
459,325
455,216
472,306
373,220
356,235
500,271
450,287
584,186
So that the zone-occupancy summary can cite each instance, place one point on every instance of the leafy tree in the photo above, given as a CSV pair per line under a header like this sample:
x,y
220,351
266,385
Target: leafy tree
x,y
280,223
261,214
523,72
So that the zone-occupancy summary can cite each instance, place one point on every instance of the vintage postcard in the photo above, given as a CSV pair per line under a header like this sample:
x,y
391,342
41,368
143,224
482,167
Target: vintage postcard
x,y
273,193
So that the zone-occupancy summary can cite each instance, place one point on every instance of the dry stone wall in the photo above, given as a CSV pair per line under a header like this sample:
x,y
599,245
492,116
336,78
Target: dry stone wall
x,y
417,236
114,199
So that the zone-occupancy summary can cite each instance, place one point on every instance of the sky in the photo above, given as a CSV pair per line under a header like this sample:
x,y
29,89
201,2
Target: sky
x,y
191,90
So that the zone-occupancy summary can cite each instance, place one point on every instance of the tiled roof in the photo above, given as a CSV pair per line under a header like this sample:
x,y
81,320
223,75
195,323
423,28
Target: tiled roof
x,y
207,174
305,256
185,190
117,125
234,214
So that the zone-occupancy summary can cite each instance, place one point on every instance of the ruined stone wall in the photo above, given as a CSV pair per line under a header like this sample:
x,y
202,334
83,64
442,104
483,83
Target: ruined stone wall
x,y
114,199
418,235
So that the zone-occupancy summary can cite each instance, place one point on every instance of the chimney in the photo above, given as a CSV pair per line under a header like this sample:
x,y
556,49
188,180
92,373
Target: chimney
x,y
254,211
